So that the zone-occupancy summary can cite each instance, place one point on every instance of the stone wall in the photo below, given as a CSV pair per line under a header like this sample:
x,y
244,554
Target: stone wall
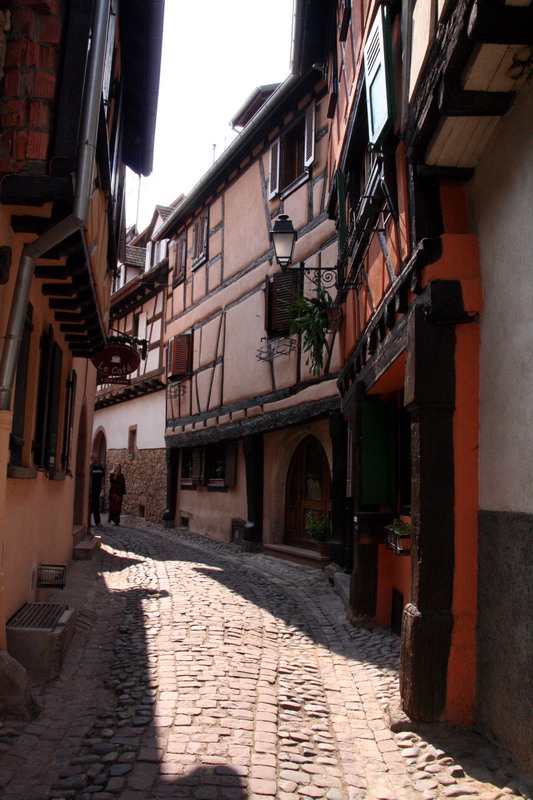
x,y
505,625
146,481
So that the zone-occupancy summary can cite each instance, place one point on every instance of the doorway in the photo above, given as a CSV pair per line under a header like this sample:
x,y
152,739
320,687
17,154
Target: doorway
x,y
308,488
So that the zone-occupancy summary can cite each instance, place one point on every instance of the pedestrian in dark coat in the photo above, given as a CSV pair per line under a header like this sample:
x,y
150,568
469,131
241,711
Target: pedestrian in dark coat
x,y
117,490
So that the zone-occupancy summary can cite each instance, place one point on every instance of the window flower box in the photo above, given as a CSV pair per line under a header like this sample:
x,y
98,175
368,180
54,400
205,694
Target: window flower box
x,y
398,537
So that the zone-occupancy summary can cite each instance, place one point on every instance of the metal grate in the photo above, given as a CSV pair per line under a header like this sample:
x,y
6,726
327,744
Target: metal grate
x,y
51,576
37,615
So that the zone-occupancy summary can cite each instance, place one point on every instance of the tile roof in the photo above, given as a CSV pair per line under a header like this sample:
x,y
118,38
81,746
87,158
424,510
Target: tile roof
x,y
135,256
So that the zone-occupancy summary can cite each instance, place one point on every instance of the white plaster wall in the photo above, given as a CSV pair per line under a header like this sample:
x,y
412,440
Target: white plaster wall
x,y
501,197
148,413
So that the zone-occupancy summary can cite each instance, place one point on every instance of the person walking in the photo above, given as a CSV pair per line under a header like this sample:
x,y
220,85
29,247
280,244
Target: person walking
x,y
117,490
97,474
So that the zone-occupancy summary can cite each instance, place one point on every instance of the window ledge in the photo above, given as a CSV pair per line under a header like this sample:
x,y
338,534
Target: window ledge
x,y
288,190
198,262
52,475
21,472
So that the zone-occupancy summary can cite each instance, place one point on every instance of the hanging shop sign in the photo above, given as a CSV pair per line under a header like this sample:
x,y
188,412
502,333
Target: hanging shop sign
x,y
117,359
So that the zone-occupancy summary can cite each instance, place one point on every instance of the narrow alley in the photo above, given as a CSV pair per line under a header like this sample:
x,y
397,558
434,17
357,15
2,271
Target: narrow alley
x,y
200,672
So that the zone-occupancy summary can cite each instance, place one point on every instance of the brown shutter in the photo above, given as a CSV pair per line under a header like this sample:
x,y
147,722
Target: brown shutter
x,y
274,170
43,398
179,356
200,230
284,289
180,257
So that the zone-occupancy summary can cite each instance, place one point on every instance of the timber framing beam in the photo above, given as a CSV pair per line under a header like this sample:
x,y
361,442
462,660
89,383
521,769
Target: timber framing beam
x,y
262,424
457,102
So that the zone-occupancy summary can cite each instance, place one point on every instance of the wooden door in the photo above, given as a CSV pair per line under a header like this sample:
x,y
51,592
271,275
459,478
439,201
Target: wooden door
x,y
307,489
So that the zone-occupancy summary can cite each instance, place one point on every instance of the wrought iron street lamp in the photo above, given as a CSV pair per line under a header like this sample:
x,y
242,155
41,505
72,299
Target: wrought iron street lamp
x,y
283,236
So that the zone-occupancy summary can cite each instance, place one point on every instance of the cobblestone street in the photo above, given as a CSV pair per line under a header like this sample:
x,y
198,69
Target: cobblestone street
x,y
201,672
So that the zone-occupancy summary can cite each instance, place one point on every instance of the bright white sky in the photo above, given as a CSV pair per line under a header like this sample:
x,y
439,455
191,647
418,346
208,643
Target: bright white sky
x,y
214,55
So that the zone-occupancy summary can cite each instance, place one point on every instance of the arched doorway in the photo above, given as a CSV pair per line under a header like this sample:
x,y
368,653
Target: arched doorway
x,y
308,488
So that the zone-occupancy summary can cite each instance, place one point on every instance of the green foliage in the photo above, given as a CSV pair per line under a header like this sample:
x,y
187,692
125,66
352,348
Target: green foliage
x,y
318,526
311,320
399,527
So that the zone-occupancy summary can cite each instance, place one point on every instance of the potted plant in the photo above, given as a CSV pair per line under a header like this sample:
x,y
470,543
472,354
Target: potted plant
x,y
318,526
399,536
310,318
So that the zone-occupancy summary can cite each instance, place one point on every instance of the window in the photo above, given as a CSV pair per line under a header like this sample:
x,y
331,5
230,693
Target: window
x,y
199,239
68,425
179,353
213,466
292,154
379,79
281,290
132,441
16,442
156,252
177,256
47,417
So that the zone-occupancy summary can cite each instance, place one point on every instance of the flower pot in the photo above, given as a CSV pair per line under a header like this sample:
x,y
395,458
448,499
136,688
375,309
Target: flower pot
x,y
400,543
323,548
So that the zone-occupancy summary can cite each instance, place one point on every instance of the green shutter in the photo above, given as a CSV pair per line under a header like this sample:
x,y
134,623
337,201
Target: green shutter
x,y
379,453
342,228
379,79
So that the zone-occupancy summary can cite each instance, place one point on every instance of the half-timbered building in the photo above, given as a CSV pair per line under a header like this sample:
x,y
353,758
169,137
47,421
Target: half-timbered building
x,y
78,101
130,412
252,431
416,170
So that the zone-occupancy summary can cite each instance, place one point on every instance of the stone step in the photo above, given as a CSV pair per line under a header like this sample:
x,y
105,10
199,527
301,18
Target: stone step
x,y
87,547
298,555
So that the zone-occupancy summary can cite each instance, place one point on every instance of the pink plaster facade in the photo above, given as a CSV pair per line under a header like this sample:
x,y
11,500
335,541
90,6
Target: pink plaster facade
x,y
231,389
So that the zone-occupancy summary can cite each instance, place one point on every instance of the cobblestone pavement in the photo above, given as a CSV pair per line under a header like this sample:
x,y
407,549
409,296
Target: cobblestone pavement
x,y
201,672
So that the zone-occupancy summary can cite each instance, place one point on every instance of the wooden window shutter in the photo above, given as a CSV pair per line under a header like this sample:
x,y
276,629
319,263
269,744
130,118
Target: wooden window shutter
x,y
283,290
19,405
70,407
179,356
379,453
274,171
342,228
43,398
172,251
55,398
181,256
148,258
231,464
379,79
200,230
309,142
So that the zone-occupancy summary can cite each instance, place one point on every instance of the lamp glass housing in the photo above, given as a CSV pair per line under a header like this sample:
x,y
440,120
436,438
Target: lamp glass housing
x,y
283,238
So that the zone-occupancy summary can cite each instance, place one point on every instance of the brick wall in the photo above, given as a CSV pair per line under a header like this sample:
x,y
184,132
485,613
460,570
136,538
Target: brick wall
x,y
30,36
146,481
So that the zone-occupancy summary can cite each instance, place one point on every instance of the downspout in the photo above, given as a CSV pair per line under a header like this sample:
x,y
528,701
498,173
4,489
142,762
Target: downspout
x,y
31,252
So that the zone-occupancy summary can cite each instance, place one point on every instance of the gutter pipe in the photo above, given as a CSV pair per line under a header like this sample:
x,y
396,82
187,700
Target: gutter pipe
x,y
189,202
80,209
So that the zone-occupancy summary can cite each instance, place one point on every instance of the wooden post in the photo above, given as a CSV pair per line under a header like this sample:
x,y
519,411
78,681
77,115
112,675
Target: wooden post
x,y
172,459
427,619
253,459
338,434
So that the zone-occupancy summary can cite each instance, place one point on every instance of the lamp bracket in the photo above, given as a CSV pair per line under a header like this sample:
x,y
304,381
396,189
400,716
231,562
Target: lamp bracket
x,y
320,276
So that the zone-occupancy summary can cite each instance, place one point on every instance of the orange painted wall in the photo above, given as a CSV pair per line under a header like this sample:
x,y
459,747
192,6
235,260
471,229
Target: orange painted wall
x,y
462,662
394,573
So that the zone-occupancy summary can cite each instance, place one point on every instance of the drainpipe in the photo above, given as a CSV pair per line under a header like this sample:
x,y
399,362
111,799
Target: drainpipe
x,y
31,252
